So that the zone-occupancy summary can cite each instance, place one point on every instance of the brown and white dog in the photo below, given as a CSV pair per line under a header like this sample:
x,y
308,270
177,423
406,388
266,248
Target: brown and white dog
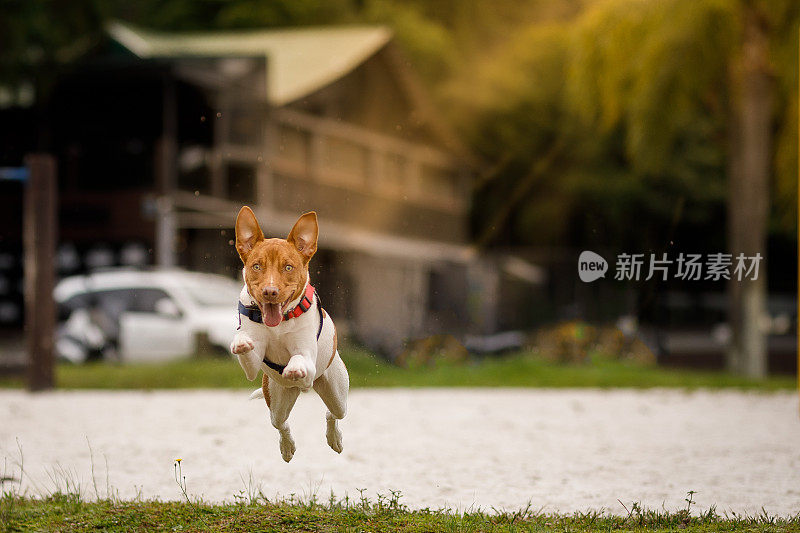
x,y
283,329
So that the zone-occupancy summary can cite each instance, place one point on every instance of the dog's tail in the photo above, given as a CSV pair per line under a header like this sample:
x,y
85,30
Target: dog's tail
x,y
257,394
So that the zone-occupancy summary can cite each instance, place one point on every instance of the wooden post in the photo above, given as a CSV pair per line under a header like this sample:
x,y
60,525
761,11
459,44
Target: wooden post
x,y
376,170
222,139
265,179
317,154
166,232
166,178
39,238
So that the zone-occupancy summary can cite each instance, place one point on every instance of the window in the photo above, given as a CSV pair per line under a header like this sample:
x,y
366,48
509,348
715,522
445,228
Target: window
x,y
213,293
345,161
394,173
115,301
144,300
241,182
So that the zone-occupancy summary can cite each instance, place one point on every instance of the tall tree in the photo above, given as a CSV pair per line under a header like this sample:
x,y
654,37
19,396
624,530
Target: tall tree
x,y
749,182
666,110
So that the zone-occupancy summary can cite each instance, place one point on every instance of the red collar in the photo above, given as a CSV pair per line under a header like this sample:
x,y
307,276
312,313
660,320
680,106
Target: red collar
x,y
303,305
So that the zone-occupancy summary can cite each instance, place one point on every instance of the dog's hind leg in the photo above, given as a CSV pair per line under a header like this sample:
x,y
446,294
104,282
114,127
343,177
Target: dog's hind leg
x,y
264,392
280,401
332,387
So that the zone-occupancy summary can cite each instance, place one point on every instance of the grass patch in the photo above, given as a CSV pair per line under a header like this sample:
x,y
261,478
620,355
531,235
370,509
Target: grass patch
x,y
517,370
528,370
69,513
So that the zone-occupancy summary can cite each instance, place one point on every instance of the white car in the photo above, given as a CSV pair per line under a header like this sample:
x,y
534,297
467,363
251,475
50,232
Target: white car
x,y
144,315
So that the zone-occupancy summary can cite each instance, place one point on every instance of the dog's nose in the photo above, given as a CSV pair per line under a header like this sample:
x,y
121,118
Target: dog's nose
x,y
271,292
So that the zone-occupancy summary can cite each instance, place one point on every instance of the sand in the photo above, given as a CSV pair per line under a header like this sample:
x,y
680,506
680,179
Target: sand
x,y
560,450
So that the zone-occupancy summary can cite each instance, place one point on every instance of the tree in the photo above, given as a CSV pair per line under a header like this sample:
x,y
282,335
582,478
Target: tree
x,y
749,179
663,111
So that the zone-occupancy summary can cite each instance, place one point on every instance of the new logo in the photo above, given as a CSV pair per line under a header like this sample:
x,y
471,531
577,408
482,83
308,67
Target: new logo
x,y
591,266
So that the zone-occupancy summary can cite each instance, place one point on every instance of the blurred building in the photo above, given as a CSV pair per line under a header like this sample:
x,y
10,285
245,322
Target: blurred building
x,y
160,139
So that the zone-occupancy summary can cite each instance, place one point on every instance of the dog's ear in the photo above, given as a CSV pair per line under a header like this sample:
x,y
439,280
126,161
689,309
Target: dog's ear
x,y
304,235
248,232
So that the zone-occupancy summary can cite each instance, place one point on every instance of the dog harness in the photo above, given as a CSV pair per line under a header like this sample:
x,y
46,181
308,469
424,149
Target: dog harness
x,y
254,314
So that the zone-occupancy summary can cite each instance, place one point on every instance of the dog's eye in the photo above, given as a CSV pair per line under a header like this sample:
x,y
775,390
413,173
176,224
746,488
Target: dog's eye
x,y
256,267
288,268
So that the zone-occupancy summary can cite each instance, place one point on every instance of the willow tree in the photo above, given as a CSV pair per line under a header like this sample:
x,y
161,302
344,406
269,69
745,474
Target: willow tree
x,y
662,111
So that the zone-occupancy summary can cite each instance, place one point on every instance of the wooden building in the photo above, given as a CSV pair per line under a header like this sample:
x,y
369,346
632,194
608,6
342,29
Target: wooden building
x,y
161,138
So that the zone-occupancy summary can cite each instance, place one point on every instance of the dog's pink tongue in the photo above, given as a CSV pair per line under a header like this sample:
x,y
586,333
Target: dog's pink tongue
x,y
271,313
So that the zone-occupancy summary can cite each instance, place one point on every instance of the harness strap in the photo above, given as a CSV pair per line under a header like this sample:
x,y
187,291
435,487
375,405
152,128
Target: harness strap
x,y
250,311
321,314
254,314
275,366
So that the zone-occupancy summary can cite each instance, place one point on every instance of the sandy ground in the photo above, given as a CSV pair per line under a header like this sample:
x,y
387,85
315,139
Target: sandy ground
x,y
562,450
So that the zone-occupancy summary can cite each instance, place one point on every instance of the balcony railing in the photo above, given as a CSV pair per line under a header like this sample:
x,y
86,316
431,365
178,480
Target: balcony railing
x,y
321,150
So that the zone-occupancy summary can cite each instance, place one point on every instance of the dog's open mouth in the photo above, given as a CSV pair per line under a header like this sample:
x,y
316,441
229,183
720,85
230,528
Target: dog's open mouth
x,y
272,314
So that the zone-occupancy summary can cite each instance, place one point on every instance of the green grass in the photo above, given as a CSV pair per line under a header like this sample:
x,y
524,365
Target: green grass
x,y
519,370
69,513
527,370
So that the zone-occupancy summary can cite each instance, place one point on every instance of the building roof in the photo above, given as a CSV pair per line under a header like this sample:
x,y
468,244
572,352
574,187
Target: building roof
x,y
300,61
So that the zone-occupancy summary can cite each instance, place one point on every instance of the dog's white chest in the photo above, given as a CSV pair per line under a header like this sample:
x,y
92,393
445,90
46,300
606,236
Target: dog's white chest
x,y
298,336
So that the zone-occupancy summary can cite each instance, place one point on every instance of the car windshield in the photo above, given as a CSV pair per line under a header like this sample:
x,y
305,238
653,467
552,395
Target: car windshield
x,y
213,291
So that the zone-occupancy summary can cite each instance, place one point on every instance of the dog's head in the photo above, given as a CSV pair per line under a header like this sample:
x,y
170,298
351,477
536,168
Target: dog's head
x,y
275,270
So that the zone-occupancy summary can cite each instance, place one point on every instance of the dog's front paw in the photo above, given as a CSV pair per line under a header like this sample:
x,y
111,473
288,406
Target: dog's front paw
x,y
295,370
242,343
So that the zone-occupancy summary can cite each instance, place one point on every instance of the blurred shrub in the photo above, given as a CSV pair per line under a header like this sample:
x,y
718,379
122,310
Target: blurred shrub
x,y
579,342
432,350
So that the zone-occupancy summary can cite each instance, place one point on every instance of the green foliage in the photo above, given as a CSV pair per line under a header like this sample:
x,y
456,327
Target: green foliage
x,y
636,98
260,14
427,42
658,71
650,78
178,15
35,35
513,107
782,17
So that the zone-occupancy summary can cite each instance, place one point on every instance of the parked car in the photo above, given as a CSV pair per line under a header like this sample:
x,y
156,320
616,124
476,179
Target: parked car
x,y
144,315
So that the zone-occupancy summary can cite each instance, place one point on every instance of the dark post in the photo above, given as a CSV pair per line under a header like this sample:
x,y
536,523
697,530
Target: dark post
x,y
166,178
39,239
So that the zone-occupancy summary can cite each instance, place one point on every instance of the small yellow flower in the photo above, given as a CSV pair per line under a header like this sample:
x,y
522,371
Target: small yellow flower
x,y
178,460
